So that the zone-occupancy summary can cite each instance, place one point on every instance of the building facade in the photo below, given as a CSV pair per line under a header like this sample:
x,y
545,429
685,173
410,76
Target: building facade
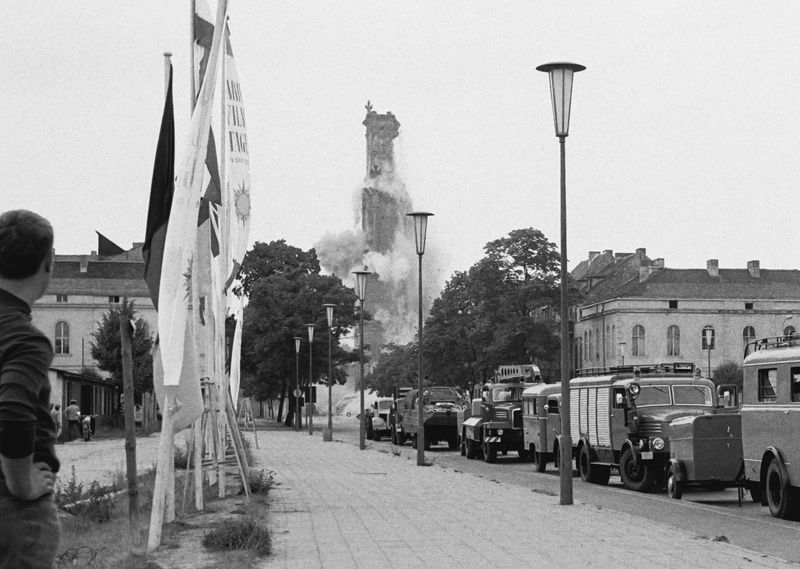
x,y
82,289
637,311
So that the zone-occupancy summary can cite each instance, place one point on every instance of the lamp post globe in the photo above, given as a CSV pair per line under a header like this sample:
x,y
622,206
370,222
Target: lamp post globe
x,y
361,294
327,434
420,235
561,76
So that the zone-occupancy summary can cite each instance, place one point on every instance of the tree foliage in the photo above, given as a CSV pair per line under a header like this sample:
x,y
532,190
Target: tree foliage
x,y
286,291
397,367
107,347
728,373
500,311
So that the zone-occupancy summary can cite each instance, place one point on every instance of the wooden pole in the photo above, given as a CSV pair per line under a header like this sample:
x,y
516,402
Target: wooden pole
x,y
125,328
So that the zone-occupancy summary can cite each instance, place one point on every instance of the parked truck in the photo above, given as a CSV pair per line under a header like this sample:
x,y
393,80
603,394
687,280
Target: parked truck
x,y
541,423
492,424
440,406
620,419
378,424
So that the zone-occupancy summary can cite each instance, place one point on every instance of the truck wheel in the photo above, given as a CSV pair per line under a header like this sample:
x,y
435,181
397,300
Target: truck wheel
x,y
427,444
674,487
462,443
755,491
781,499
539,460
370,432
414,441
635,475
557,456
376,437
401,438
452,443
523,455
489,452
592,473
471,449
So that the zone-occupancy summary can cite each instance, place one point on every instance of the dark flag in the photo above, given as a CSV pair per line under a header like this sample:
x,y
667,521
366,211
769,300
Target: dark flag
x,y
106,247
161,190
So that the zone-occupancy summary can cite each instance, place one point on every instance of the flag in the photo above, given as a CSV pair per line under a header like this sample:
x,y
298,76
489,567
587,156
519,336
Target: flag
x,y
162,188
106,247
236,197
175,289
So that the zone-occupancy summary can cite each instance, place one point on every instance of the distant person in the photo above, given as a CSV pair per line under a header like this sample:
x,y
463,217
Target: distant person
x,y
28,463
55,412
73,413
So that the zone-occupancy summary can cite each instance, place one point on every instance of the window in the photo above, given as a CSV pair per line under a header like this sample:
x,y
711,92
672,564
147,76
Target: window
x,y
708,338
589,346
673,304
692,395
552,406
113,299
609,347
795,384
62,338
619,401
62,298
637,346
673,341
748,306
650,395
767,380
789,331
597,343
748,335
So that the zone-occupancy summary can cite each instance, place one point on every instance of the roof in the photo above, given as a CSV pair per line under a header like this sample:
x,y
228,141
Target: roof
x,y
117,275
699,284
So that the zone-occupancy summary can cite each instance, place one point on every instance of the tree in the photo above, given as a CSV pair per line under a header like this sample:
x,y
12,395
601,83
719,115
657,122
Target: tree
x,y
107,348
496,313
286,292
728,373
397,367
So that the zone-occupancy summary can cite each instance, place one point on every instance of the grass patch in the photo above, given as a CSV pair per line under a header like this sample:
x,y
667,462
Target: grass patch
x,y
261,482
246,533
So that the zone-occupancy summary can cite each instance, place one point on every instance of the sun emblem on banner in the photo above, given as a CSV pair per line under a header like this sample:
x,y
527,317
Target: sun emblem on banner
x,y
241,199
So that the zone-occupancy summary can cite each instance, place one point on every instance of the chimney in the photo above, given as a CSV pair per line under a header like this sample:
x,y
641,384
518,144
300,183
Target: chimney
x,y
593,255
712,266
658,263
609,252
754,268
84,263
641,252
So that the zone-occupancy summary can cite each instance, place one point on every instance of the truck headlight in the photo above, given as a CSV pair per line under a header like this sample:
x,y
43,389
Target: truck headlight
x,y
499,432
658,444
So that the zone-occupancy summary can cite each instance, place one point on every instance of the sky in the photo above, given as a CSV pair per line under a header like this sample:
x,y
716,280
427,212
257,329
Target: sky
x,y
683,139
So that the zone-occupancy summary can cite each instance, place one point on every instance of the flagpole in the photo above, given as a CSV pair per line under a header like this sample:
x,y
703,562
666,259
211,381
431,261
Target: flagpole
x,y
192,85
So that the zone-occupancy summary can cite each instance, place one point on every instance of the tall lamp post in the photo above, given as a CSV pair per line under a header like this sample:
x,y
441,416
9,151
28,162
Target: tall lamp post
x,y
297,340
327,434
309,403
420,231
561,75
361,293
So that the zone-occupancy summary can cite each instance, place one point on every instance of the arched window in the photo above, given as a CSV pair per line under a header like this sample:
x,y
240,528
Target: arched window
x,y
62,338
748,335
637,345
585,347
673,341
708,338
789,331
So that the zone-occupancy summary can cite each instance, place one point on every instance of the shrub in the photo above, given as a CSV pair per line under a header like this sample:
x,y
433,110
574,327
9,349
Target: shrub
x,y
93,505
261,482
181,456
243,533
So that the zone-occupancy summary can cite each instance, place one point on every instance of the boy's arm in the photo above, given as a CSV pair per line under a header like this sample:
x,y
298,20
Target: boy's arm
x,y
25,479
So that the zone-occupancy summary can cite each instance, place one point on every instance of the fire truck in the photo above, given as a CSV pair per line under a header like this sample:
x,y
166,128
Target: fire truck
x,y
493,422
440,406
620,417
771,422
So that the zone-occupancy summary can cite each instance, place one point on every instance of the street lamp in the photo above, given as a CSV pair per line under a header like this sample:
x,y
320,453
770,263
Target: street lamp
x,y
297,340
327,434
622,346
309,403
420,231
361,294
561,75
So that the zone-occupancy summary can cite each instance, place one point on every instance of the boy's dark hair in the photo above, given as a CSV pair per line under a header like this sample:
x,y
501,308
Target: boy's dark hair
x,y
26,238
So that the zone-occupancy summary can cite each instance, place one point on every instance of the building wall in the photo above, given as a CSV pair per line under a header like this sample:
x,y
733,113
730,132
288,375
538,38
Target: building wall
x,y
614,321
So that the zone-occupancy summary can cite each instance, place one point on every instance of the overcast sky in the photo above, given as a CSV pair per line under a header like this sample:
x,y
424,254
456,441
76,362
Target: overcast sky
x,y
684,136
